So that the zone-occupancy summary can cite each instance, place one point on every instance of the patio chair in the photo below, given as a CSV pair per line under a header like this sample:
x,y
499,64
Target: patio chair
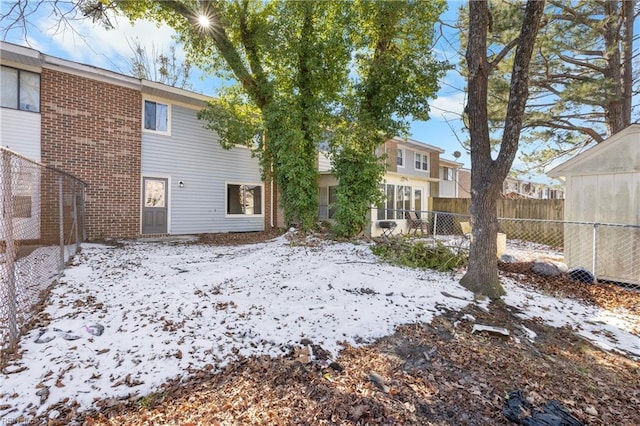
x,y
415,223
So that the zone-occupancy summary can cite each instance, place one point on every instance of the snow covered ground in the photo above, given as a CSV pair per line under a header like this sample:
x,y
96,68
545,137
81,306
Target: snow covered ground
x,y
167,308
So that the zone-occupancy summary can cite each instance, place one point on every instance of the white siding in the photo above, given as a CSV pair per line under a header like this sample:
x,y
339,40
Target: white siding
x,y
324,163
612,198
193,155
20,132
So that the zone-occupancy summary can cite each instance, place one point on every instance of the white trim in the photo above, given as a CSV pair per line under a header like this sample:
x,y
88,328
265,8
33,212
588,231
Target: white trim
x,y
169,108
564,169
240,216
422,156
156,176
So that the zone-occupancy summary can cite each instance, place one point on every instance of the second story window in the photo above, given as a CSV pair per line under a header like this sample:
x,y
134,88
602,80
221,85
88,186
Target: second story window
x,y
447,173
400,157
20,89
156,116
422,162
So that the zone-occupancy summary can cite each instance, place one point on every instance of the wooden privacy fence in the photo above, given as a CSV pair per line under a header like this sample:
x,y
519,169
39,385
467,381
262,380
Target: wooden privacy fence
x,y
536,231
515,209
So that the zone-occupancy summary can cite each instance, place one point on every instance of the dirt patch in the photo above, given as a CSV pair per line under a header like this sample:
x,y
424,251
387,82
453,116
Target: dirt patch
x,y
238,238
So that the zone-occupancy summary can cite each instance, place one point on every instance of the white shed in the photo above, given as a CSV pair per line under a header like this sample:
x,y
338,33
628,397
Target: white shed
x,y
603,187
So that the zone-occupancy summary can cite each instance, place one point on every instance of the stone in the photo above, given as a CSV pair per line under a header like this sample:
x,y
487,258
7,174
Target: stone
x,y
509,258
548,268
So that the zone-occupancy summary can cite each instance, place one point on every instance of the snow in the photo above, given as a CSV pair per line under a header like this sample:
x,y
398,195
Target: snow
x,y
169,307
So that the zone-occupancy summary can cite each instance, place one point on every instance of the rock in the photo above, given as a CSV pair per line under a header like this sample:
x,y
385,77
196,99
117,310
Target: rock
x,y
509,258
581,275
548,268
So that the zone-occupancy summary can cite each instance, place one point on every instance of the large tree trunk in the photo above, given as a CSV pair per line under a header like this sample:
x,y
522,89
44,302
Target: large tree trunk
x,y
487,174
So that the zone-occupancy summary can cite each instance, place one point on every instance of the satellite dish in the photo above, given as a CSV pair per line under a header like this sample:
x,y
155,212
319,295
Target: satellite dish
x,y
456,154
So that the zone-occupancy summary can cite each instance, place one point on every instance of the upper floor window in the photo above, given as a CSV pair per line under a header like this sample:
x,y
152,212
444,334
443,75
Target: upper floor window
x,y
400,161
447,173
422,162
20,89
156,116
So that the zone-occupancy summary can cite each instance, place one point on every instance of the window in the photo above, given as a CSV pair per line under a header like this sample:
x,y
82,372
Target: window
x,y
398,201
244,199
20,90
156,116
447,173
400,161
417,200
422,162
327,202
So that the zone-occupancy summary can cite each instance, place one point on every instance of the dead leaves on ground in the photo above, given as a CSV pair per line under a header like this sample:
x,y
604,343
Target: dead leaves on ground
x,y
425,374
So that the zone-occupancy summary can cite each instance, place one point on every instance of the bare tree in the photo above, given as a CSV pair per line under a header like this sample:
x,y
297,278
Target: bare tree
x,y
488,174
157,65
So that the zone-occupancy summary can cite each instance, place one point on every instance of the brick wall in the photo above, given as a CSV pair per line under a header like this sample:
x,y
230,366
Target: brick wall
x,y
92,130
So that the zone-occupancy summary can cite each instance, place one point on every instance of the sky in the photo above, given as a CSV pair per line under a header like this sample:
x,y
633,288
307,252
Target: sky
x,y
110,49
126,318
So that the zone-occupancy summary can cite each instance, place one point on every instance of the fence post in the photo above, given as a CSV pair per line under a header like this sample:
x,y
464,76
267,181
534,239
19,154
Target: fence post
x,y
74,218
595,252
10,248
435,224
61,219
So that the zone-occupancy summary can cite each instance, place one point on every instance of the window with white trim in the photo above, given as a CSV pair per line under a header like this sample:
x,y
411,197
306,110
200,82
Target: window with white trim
x,y
400,161
422,162
244,199
156,116
447,173
20,89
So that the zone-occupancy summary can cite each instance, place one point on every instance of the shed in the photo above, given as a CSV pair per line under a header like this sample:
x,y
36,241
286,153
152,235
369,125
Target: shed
x,y
603,188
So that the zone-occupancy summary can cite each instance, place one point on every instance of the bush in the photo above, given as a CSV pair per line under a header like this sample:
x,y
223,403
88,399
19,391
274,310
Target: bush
x,y
420,254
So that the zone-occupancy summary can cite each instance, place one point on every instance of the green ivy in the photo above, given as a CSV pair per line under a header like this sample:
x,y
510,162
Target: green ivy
x,y
359,171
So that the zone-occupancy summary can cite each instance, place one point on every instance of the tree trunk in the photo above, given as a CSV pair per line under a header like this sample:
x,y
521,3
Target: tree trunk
x,y
487,174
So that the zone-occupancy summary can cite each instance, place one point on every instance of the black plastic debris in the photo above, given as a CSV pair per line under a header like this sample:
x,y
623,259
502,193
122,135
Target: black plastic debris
x,y
520,411
581,275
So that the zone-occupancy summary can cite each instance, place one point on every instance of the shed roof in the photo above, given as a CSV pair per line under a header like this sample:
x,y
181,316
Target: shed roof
x,y
619,153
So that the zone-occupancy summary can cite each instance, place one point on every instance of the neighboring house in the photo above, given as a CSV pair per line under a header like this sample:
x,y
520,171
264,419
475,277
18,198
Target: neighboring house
x,y
512,188
150,166
413,177
519,188
464,183
449,174
603,185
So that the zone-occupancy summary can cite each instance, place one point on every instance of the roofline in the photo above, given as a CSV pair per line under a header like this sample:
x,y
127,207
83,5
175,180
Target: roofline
x,y
455,163
416,143
97,73
561,169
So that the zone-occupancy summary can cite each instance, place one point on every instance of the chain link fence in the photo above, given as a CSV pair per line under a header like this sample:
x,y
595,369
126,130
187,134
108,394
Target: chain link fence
x,y
601,252
41,227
